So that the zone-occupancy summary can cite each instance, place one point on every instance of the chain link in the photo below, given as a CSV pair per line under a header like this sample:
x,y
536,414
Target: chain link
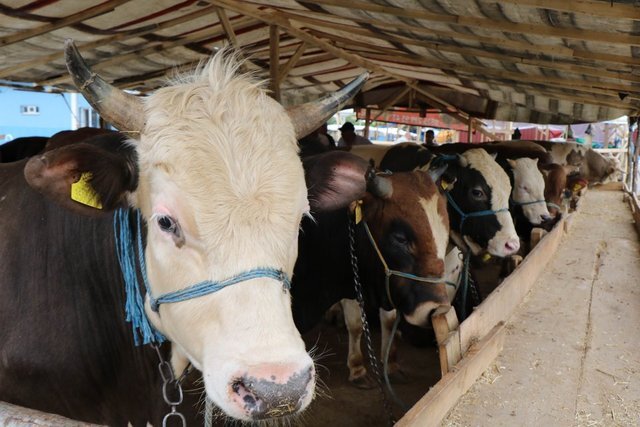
x,y
168,379
373,361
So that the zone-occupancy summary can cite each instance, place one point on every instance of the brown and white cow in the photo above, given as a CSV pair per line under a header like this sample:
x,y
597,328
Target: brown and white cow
x,y
591,165
212,165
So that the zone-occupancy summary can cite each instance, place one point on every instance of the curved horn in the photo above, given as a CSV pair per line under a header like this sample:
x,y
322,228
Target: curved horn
x,y
117,107
308,117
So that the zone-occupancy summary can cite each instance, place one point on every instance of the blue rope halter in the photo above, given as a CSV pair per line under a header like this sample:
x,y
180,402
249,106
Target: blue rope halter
x,y
464,216
389,272
134,303
514,203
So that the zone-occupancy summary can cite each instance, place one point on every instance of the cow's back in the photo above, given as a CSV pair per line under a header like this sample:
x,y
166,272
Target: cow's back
x,y
63,338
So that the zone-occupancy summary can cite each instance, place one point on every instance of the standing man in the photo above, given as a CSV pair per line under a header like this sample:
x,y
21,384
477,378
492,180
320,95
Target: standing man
x,y
429,139
350,138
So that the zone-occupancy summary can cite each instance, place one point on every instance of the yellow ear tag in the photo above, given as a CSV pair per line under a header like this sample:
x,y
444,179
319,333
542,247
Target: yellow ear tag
x,y
358,212
444,184
486,257
82,192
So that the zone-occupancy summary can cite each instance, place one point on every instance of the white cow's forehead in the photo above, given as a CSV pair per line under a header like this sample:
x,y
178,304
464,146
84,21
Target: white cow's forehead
x,y
496,178
526,170
231,150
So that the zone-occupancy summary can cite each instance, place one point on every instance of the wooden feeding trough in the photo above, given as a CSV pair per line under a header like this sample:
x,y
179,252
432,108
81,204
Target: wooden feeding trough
x,y
466,349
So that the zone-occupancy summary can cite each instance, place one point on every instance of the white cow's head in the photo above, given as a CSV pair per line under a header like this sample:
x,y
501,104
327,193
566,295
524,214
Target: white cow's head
x,y
214,169
528,189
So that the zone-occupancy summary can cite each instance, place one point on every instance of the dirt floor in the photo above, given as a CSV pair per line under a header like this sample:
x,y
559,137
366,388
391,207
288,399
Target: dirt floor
x,y
340,404
571,355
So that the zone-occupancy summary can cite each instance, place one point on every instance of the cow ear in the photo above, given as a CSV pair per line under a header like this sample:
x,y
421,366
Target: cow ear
x,y
334,180
512,163
84,178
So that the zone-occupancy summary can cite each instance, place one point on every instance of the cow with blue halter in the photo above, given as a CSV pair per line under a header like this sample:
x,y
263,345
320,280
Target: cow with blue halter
x,y
213,191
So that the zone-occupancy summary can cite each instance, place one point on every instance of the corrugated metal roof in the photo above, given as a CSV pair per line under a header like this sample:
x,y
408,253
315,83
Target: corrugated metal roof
x,y
540,61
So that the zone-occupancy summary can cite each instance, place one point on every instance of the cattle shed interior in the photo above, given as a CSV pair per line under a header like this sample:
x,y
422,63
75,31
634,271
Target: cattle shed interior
x,y
537,61
570,355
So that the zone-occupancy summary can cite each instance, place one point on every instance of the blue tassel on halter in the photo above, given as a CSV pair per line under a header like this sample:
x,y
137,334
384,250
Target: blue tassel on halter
x,y
143,332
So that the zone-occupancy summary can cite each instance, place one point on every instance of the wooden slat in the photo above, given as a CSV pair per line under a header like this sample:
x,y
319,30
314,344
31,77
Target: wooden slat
x,y
434,406
62,22
153,48
501,303
12,415
228,28
274,61
573,81
588,7
284,70
490,24
85,47
272,18
520,56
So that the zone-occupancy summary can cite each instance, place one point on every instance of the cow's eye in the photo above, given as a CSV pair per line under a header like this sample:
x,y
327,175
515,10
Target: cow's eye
x,y
477,193
400,238
167,224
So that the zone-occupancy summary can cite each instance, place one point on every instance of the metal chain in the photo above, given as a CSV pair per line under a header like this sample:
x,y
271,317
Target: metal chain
x,y
373,361
169,379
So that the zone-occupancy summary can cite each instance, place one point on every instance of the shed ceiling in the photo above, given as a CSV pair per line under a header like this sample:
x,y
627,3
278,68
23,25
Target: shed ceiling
x,y
539,61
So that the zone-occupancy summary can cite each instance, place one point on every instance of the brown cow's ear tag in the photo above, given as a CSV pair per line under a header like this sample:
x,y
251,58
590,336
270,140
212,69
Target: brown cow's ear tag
x,y
445,184
83,192
358,212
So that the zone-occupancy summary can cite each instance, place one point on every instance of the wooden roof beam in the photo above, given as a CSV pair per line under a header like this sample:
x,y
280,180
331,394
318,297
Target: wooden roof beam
x,y
154,48
284,69
275,19
587,7
92,12
490,24
274,61
137,32
546,50
390,102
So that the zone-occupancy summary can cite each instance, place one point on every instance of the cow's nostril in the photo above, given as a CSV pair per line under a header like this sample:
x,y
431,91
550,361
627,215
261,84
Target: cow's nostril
x,y
512,245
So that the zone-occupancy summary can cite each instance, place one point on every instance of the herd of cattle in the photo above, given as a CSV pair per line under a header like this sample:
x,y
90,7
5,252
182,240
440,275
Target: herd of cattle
x,y
212,165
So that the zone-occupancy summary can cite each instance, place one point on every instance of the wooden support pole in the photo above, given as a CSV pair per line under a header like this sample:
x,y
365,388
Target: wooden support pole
x,y
284,70
367,122
274,60
469,130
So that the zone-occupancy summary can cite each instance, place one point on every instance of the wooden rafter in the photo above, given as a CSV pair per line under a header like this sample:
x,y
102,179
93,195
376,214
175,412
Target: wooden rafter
x,y
274,19
123,35
390,102
553,52
284,70
156,47
62,22
274,61
490,24
588,7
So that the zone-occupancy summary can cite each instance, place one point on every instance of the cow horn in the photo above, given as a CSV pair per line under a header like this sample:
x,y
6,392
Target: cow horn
x,y
310,116
378,185
122,110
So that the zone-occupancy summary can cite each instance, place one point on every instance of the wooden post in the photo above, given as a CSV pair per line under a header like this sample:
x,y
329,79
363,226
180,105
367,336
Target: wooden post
x,y
367,122
274,61
469,129
634,161
445,326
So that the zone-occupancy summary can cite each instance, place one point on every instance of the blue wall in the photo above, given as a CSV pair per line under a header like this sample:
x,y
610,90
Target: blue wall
x,y
54,116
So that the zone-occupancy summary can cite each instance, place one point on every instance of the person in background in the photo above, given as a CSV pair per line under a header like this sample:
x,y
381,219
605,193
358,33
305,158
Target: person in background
x,y
516,134
324,137
350,138
430,139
